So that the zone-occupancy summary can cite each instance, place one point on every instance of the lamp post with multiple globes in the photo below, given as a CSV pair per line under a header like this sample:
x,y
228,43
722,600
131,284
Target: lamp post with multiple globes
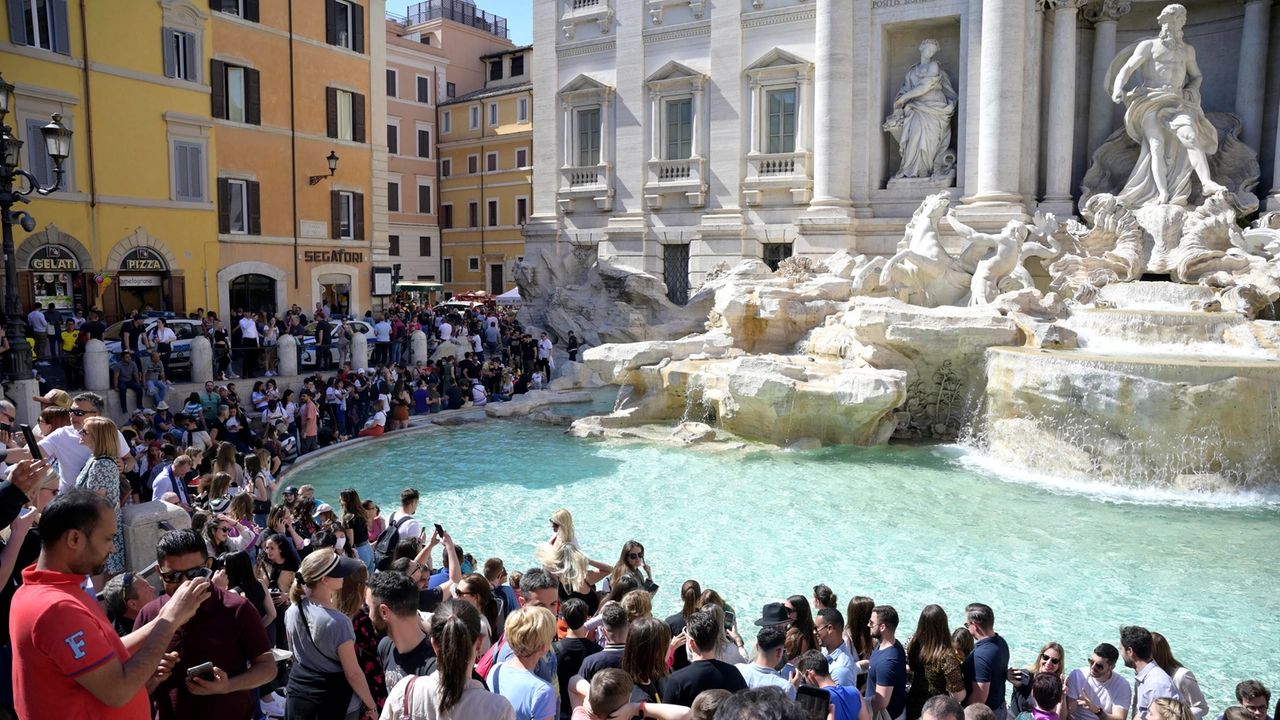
x,y
57,141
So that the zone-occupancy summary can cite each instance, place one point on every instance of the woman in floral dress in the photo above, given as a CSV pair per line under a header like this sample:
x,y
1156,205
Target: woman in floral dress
x,y
102,475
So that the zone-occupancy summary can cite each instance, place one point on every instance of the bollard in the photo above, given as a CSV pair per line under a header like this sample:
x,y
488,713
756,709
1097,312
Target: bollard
x,y
418,348
359,351
287,354
97,361
201,360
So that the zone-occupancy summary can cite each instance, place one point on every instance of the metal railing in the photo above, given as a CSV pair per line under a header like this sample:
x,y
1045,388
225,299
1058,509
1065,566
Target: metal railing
x,y
458,11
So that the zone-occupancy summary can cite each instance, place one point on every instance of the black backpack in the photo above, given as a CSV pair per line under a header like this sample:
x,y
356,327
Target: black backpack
x,y
385,547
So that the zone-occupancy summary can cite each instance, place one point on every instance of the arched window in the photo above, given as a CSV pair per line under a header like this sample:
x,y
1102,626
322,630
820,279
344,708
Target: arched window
x,y
253,292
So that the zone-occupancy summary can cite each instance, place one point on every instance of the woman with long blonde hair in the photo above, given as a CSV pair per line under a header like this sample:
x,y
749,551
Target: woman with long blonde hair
x,y
570,567
1049,660
225,462
562,529
102,475
326,682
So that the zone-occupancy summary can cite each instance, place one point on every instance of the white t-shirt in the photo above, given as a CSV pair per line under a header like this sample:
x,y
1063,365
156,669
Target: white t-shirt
x,y
379,419
478,396
248,329
410,529
446,331
544,348
164,336
1114,693
64,445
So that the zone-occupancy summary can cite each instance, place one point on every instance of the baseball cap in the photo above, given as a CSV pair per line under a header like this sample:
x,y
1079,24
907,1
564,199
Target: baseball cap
x,y
54,398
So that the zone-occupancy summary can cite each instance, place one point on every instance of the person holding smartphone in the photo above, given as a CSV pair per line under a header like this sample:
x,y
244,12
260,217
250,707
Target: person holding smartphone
x,y
225,630
817,693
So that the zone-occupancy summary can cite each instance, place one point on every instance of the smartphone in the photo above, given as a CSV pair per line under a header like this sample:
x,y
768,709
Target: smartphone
x,y
31,442
728,619
814,701
204,671
25,512
439,530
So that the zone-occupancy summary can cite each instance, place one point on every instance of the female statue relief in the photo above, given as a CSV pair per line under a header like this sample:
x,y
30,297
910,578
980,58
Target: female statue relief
x,y
921,119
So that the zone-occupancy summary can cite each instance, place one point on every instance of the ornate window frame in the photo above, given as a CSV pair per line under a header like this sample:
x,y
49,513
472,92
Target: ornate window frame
x,y
578,12
657,8
775,70
595,182
687,176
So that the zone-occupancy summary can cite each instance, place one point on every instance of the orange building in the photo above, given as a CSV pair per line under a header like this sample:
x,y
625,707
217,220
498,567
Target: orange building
x,y
291,86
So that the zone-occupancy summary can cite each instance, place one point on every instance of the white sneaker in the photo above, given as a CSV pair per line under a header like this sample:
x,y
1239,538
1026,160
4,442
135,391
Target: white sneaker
x,y
274,708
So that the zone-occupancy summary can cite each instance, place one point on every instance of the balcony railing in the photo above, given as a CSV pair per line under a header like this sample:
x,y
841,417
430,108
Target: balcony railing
x,y
584,4
583,178
778,171
458,11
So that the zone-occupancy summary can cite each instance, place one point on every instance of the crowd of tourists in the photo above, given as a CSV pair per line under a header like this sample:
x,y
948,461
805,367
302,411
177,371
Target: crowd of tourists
x,y
277,603
246,345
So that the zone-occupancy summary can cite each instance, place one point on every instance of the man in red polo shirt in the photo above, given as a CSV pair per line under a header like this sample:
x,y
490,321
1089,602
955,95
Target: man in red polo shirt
x,y
67,659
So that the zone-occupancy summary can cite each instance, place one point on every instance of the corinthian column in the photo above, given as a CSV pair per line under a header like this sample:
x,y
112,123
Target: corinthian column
x,y
1251,82
1004,43
833,106
1062,106
1101,108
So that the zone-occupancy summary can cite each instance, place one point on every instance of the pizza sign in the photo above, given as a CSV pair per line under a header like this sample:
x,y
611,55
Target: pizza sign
x,y
143,260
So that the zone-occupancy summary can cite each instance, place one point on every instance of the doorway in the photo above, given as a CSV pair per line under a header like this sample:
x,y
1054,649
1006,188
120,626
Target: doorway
x,y
497,278
253,292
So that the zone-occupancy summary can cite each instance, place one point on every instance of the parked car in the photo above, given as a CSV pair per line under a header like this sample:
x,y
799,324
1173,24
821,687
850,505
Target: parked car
x,y
309,340
180,360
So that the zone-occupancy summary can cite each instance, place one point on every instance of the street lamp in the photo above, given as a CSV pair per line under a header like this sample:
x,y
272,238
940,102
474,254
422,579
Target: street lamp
x,y
333,168
57,142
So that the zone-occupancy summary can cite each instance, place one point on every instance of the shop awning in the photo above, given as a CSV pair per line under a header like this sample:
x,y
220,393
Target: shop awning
x,y
419,286
510,297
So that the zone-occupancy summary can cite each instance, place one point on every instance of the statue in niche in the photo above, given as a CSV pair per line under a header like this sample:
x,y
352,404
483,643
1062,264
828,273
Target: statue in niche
x,y
1163,116
921,123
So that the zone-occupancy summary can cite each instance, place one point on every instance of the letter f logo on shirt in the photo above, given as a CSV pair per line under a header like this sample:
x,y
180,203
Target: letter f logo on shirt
x,y
76,643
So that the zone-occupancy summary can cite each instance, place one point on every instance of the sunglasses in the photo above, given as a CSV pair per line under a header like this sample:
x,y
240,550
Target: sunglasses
x,y
635,556
177,576
1050,659
1098,665
81,413
126,586
222,528
555,526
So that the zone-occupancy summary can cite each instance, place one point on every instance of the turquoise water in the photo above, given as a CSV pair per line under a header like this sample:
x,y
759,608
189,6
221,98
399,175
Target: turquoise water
x,y
905,525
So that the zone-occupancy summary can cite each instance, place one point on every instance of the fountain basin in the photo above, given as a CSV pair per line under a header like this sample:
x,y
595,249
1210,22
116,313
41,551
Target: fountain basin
x,y
1208,421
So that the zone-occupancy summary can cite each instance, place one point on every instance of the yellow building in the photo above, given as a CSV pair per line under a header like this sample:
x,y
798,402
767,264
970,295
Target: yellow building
x,y
138,201
486,176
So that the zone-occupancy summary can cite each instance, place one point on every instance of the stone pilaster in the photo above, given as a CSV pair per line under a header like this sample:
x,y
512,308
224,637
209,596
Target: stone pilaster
x,y
1004,43
1251,82
1101,108
1062,108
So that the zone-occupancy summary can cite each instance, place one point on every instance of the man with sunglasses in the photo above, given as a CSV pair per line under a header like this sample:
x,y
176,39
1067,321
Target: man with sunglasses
x,y
1096,692
68,661
64,445
225,630
985,669
125,596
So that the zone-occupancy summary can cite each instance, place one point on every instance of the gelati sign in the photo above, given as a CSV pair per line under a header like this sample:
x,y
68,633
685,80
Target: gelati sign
x,y
143,260
55,258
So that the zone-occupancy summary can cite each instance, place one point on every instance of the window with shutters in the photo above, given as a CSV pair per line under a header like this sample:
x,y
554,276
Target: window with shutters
x,y
40,24
473,164
346,128
522,210
446,167
180,55
424,246
517,65
344,24
188,171
446,121
522,157
475,117
473,214
392,83
780,130
424,89
235,93
493,114
344,215
446,216
491,210
446,270
393,245
588,137
424,200
38,161
393,197
495,69
346,119
679,129
245,9
522,110
393,138
491,162
237,207
450,90
424,143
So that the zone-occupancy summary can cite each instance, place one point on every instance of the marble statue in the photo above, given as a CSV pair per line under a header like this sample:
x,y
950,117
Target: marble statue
x,y
1000,269
1163,116
925,271
921,120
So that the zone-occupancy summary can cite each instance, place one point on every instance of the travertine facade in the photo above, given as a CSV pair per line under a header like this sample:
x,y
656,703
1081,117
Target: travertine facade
x,y
687,133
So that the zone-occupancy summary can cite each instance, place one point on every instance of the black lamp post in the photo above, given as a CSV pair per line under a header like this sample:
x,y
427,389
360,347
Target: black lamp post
x,y
57,140
333,168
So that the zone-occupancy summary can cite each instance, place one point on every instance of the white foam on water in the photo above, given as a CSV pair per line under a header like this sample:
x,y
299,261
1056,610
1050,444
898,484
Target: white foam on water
x,y
974,460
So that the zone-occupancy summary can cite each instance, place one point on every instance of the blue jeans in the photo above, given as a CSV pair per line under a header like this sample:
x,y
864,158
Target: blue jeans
x,y
157,390
365,553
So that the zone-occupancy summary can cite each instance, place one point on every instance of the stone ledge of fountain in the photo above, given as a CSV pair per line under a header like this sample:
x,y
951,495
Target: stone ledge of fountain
x,y
525,404
1160,419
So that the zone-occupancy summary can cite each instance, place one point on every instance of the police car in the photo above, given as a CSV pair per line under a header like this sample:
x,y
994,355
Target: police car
x,y
309,340
180,360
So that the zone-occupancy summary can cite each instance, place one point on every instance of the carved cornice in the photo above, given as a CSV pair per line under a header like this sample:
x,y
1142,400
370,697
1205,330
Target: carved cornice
x,y
1049,6
1106,11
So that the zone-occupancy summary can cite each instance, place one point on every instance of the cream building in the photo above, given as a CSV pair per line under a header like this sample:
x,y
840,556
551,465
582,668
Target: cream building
x,y
686,133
